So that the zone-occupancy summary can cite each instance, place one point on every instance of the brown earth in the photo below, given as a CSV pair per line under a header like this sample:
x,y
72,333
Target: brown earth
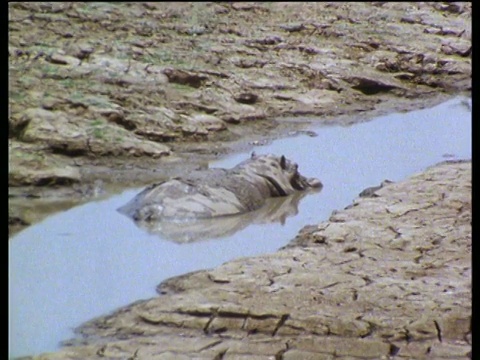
x,y
108,95
389,277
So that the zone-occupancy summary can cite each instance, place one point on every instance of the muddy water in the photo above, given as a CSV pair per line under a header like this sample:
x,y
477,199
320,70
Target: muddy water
x,y
91,259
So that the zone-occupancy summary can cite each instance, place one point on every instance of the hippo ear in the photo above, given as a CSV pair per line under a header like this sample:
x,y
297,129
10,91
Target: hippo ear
x,y
283,162
253,156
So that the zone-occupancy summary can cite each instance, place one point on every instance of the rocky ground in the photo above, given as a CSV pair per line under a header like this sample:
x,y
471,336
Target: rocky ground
x,y
108,95
105,95
389,277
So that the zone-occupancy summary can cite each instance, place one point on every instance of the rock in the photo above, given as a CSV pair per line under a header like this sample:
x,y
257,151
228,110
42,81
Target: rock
x,y
48,177
450,351
444,31
194,30
411,20
248,63
185,77
316,98
370,191
293,27
236,113
370,85
73,135
269,40
265,83
462,48
16,124
60,59
453,7
246,98
82,51
157,124
242,6
209,122
54,128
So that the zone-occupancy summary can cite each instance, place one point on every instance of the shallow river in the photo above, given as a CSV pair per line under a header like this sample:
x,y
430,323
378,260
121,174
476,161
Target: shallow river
x,y
90,260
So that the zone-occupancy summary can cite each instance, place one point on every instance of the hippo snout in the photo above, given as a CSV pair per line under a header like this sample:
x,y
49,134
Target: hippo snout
x,y
303,183
314,183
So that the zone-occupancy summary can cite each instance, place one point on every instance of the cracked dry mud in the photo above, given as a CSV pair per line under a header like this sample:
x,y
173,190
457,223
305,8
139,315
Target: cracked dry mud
x,y
389,277
124,93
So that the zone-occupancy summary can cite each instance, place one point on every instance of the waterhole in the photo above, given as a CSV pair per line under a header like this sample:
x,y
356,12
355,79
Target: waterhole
x,y
90,260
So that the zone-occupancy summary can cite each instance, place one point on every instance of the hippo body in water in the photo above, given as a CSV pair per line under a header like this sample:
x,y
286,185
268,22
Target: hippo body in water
x,y
219,192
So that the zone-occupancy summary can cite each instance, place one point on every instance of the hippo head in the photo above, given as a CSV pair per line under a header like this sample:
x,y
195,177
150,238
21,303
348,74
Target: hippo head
x,y
281,174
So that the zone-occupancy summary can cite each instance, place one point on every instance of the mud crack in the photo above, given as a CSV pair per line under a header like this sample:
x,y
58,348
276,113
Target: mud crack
x,y
439,330
280,323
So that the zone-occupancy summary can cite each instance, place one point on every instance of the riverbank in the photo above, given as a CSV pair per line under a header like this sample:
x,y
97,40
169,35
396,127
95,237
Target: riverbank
x,y
122,94
387,277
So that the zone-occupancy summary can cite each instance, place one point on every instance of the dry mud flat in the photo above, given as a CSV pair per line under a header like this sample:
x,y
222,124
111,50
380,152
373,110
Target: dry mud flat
x,y
110,91
387,277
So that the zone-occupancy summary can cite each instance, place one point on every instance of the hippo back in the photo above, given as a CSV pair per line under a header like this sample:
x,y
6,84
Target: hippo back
x,y
219,192
203,194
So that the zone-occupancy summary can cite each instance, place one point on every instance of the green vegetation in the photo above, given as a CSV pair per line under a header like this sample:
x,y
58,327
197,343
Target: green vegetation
x,y
28,81
160,57
97,122
76,96
16,95
99,133
182,87
98,130
67,83
43,47
49,69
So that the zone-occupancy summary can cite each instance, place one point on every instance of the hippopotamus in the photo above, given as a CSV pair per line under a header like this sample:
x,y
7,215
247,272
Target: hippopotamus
x,y
219,192
275,210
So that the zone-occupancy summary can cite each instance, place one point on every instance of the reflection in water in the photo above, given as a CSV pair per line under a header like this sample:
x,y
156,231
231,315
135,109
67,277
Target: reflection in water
x,y
91,260
275,210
